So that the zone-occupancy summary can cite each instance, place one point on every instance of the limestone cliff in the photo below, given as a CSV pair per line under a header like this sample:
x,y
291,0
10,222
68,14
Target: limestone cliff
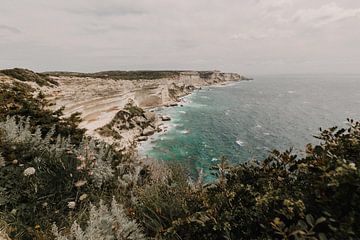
x,y
100,97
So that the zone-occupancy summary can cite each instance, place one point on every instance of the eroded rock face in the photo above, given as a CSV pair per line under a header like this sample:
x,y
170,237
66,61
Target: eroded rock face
x,y
150,116
148,131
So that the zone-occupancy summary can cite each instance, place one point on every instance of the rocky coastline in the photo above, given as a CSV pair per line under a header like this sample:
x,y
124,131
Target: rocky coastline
x,y
117,106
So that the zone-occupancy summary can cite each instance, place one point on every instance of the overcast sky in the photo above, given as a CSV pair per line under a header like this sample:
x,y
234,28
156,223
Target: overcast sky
x,y
246,36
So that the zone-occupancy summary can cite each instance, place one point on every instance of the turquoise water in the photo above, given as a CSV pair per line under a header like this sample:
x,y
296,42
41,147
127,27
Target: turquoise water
x,y
245,120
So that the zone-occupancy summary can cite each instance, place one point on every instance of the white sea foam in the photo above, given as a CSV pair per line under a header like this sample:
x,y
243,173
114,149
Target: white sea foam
x,y
240,143
186,131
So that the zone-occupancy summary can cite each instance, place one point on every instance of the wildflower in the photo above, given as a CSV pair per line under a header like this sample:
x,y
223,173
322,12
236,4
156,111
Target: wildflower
x,y
352,166
71,205
29,171
81,167
83,197
80,183
81,158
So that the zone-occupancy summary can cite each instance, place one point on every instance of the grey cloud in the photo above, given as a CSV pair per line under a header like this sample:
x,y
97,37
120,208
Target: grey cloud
x,y
98,28
6,28
107,10
248,36
326,14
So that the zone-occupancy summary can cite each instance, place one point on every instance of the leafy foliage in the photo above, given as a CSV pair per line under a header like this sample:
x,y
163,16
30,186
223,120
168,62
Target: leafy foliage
x,y
17,100
282,197
42,175
104,223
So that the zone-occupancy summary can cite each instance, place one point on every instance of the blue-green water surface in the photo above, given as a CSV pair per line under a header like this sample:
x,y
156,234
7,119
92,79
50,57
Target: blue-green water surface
x,y
246,119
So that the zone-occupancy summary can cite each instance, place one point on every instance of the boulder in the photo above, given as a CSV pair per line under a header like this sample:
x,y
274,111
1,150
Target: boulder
x,y
142,138
148,131
165,118
140,120
150,116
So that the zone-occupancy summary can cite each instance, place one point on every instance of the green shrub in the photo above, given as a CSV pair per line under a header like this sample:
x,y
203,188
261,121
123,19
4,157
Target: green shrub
x,y
46,179
17,100
104,223
282,197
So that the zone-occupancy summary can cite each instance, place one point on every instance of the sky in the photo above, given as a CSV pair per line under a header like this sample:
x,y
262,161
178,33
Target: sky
x,y
244,36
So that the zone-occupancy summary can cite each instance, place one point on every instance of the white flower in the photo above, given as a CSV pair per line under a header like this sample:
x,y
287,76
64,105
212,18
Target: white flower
x,y
352,166
14,211
80,183
83,197
29,171
71,205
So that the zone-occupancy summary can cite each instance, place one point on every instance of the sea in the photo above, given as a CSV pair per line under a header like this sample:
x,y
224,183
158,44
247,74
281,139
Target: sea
x,y
246,120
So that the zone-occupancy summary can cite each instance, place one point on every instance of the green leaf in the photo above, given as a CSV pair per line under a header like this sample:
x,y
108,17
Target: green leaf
x,y
310,220
322,236
320,220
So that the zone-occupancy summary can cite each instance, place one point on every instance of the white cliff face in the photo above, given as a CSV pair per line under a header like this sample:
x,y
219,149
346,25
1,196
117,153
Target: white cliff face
x,y
98,100
159,92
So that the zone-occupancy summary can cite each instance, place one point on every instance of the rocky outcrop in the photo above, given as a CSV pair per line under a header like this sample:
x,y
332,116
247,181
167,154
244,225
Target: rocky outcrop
x,y
148,131
129,124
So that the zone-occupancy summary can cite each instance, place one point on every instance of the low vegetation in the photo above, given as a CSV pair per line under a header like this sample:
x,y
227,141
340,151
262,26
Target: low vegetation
x,y
29,76
282,197
56,183
121,75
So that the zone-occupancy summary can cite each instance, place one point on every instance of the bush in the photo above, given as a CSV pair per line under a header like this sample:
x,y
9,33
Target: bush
x,y
46,179
17,100
104,223
282,197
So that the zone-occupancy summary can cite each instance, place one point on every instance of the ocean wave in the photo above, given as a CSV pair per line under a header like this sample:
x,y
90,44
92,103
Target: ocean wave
x,y
240,143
